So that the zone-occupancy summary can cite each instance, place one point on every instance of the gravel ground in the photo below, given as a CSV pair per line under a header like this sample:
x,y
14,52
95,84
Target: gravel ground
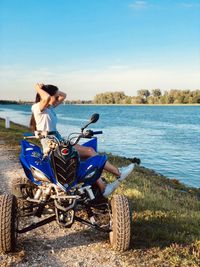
x,y
50,245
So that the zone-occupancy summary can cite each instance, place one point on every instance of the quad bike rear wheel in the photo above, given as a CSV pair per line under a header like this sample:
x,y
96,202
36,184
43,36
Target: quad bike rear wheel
x,y
120,234
8,223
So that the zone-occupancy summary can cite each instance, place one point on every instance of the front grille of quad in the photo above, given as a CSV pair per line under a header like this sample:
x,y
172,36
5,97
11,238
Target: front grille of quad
x,y
65,169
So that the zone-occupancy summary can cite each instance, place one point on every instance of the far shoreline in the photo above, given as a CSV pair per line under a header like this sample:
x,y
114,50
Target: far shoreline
x,y
127,105
91,104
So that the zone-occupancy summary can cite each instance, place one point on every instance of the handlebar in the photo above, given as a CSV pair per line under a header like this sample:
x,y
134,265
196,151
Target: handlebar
x,y
90,133
29,136
40,135
36,135
97,132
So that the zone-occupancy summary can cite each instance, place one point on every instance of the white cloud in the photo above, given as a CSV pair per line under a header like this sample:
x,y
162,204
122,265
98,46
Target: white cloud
x,y
141,5
190,5
137,5
18,82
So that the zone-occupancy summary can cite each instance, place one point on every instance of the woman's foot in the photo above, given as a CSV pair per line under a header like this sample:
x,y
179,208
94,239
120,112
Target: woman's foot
x,y
124,172
110,188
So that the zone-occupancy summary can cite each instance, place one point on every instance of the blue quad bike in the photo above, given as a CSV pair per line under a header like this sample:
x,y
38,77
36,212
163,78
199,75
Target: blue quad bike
x,y
60,186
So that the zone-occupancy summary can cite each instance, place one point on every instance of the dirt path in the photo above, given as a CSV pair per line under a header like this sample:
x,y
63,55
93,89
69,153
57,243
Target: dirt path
x,y
51,245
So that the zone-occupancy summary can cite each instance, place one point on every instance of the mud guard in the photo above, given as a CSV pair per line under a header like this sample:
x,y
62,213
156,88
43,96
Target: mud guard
x,y
91,165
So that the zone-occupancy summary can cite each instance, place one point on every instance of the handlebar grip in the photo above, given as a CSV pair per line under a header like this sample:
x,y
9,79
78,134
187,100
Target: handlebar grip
x,y
29,136
98,132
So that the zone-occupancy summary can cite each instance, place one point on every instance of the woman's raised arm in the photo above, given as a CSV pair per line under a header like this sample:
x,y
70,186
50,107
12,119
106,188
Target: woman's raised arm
x,y
44,96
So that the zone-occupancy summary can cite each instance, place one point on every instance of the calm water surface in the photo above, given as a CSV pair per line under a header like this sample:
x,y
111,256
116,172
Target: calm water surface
x,y
165,138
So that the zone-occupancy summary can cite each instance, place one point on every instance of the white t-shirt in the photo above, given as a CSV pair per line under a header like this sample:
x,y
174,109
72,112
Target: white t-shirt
x,y
46,120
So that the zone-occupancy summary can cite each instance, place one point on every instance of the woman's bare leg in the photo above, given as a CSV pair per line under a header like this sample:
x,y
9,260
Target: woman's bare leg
x,y
111,168
85,152
101,184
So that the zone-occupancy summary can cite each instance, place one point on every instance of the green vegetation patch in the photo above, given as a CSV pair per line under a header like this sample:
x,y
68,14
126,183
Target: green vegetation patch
x,y
165,219
14,134
145,96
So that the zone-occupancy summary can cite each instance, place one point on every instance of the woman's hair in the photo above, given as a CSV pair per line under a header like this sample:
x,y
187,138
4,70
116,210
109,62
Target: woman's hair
x,y
51,90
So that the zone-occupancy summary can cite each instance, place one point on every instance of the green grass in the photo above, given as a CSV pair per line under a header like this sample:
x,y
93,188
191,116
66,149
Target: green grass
x,y
166,219
165,213
14,134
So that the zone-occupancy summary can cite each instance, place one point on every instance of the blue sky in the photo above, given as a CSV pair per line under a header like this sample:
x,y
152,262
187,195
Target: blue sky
x,y
91,46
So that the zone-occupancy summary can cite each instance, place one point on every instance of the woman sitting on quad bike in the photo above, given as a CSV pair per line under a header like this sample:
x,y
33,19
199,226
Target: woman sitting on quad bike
x,y
63,183
44,120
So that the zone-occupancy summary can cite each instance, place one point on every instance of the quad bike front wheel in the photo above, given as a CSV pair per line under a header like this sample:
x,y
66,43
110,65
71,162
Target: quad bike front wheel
x,y
21,188
120,234
8,223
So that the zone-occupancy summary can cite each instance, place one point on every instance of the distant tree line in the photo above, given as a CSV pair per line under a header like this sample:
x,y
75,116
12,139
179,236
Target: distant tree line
x,y
67,102
14,102
145,96
6,102
78,102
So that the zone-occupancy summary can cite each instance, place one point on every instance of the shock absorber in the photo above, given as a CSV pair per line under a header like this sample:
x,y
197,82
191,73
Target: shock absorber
x,y
88,190
38,194
45,195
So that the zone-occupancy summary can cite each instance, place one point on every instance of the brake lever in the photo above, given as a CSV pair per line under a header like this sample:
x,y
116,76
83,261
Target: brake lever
x,y
88,134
